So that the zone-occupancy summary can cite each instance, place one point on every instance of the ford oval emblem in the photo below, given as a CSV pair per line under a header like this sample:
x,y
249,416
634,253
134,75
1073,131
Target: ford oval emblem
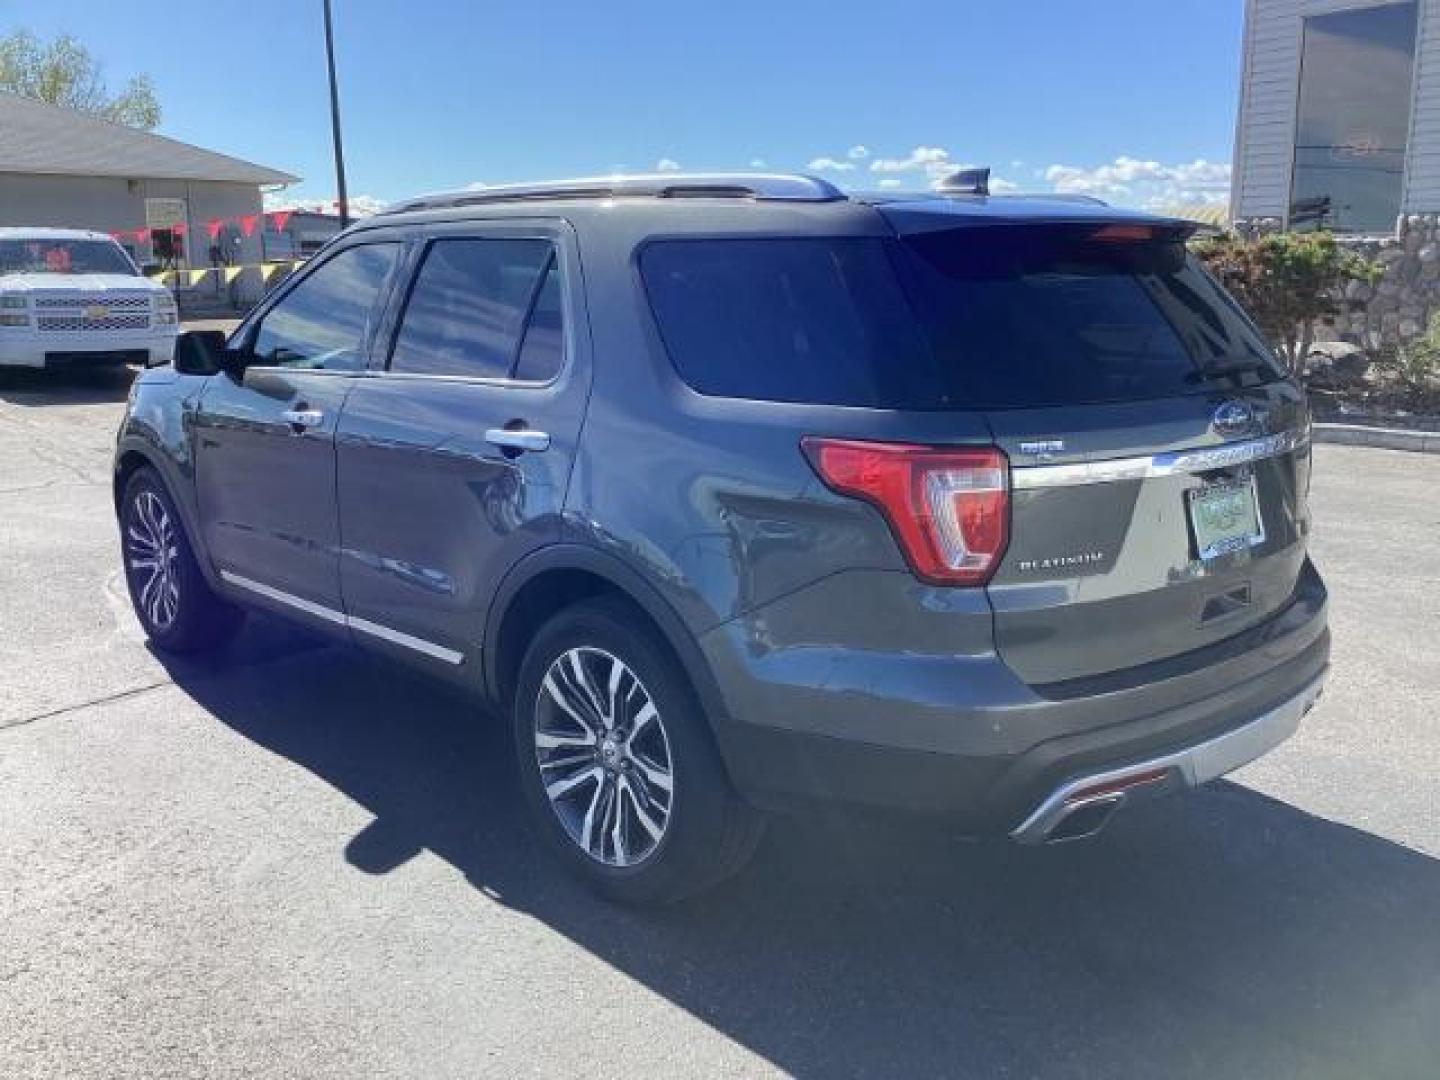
x,y
1234,418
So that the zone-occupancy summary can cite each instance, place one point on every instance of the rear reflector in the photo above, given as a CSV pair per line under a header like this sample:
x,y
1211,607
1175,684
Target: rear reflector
x,y
948,508
1119,785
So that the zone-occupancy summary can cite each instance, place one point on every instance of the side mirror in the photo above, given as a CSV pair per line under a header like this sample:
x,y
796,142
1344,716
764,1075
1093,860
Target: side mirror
x,y
203,352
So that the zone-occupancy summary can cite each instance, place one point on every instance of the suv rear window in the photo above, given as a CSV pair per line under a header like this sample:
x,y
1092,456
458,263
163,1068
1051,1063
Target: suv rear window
x,y
986,317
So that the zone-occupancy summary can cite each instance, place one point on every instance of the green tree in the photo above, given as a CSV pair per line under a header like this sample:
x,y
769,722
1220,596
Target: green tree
x,y
1286,281
63,72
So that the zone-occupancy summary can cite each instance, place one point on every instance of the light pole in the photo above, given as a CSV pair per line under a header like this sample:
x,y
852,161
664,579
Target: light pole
x,y
340,196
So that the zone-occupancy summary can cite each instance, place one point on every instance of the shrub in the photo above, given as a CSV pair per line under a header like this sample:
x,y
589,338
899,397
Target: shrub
x,y
1286,281
1415,367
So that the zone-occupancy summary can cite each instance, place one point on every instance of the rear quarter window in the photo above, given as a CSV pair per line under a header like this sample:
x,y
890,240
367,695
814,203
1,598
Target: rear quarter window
x,y
800,320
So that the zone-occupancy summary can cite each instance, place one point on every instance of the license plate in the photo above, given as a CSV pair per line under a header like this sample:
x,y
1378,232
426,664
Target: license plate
x,y
97,311
1225,517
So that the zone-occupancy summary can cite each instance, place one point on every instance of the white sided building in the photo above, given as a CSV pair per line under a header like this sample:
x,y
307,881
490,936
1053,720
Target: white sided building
x,y
62,168
1339,118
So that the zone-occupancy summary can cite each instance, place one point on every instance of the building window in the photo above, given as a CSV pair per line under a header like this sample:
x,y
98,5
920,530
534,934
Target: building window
x,y
1353,119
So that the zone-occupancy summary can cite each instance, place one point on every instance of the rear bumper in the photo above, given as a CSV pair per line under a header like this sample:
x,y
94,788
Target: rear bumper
x,y
985,752
1097,794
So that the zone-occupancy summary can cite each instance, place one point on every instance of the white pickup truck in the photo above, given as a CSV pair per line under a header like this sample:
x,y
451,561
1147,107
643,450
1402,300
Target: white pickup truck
x,y
68,296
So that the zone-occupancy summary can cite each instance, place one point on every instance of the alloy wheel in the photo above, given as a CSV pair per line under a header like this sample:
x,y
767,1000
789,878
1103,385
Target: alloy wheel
x,y
604,757
152,556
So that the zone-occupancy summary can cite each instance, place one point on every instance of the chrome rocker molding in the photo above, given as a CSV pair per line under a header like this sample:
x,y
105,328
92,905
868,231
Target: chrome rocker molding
x,y
339,618
1100,794
1175,462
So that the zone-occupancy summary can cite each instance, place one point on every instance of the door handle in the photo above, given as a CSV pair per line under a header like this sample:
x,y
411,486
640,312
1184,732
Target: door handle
x,y
302,418
518,439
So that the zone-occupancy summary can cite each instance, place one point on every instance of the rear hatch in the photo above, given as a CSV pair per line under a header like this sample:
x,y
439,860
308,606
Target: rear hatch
x,y
1150,497
1158,456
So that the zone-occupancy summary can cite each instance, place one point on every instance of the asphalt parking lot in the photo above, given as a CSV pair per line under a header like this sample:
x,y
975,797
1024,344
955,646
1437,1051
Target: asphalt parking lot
x,y
300,862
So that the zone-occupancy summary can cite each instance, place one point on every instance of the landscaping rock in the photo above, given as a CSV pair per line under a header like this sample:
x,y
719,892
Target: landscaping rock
x,y
1336,365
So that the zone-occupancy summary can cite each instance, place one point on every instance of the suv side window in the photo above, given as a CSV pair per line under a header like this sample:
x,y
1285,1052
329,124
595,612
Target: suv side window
x,y
324,322
467,312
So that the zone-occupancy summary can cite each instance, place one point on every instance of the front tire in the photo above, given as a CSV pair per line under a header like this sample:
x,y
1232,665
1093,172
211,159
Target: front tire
x,y
178,610
618,764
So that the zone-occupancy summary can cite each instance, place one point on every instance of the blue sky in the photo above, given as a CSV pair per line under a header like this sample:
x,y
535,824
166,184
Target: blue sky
x,y
1130,99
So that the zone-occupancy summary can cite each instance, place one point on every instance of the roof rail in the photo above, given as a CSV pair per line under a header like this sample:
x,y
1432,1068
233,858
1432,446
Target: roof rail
x,y
778,187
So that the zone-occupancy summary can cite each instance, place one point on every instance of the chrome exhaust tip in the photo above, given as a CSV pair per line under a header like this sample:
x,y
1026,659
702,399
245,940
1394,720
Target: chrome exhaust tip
x,y
1081,810
1082,820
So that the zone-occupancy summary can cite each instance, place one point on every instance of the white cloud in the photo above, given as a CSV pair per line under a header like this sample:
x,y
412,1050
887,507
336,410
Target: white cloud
x,y
666,164
931,160
929,166
757,163
857,153
1144,182
365,205
829,164
936,165
360,205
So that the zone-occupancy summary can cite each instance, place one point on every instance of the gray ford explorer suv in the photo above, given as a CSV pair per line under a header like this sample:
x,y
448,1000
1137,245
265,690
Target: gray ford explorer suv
x,y
738,493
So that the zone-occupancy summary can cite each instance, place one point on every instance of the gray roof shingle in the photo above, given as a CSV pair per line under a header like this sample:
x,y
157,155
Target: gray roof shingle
x,y
49,140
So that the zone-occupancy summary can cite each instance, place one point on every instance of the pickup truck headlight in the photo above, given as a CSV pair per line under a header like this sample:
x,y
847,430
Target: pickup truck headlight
x,y
14,318
166,310
12,302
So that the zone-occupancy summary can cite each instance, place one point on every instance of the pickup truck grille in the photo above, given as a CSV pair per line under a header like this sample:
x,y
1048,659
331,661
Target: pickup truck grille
x,y
81,312
81,301
71,323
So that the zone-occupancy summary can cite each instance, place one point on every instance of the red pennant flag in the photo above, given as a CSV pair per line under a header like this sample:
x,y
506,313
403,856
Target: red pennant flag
x,y
213,227
141,235
280,218
179,230
248,222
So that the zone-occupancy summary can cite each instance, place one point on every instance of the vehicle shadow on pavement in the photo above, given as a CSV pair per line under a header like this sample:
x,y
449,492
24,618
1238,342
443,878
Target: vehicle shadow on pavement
x,y
1226,934
65,385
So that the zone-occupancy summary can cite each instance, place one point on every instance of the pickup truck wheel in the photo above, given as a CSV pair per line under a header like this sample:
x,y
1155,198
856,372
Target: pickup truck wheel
x,y
174,603
618,764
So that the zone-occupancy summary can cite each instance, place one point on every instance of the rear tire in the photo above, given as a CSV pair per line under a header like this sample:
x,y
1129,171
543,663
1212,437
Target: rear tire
x,y
618,764
179,611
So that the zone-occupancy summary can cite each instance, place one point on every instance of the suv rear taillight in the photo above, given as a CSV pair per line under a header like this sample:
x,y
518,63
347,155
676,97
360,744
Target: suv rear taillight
x,y
948,508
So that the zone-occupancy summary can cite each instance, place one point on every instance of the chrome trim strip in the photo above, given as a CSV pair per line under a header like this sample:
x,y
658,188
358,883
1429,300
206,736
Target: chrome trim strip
x,y
410,641
320,611
1194,765
365,626
1172,463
